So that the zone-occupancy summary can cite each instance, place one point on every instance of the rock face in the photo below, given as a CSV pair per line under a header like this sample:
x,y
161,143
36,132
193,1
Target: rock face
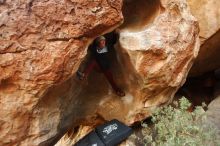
x,y
155,52
214,109
44,43
208,14
160,54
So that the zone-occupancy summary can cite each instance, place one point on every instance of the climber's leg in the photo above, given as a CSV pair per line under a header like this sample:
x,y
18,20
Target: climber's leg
x,y
88,69
110,79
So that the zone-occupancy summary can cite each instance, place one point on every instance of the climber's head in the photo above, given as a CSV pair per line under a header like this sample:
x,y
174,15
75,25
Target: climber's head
x,y
100,41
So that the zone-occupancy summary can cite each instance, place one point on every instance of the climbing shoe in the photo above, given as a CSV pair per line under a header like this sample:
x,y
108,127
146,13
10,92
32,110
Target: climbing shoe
x,y
80,75
120,93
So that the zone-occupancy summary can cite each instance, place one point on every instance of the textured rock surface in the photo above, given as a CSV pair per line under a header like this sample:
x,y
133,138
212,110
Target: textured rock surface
x,y
42,45
45,41
208,14
155,53
160,54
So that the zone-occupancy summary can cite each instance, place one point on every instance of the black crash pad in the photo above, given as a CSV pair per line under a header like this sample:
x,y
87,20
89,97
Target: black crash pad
x,y
108,134
113,132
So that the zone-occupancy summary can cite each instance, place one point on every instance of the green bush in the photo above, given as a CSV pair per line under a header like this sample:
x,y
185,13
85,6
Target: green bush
x,y
175,126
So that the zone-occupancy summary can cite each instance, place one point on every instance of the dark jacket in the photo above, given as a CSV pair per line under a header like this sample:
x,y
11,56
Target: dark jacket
x,y
102,58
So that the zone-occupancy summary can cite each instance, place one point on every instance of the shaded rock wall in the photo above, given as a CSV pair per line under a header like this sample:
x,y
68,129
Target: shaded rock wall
x,y
208,58
214,109
208,14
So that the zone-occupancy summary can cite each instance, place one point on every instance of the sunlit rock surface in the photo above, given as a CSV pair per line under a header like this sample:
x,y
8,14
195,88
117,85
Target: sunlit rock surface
x,y
207,13
42,45
160,54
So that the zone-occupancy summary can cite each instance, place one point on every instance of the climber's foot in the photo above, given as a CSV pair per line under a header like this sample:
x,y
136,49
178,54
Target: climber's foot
x,y
80,75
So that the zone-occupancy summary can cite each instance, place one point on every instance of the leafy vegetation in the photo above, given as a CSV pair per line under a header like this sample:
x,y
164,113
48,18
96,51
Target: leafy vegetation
x,y
176,126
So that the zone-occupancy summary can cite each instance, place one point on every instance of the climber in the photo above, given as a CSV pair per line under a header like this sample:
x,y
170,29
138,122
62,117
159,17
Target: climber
x,y
100,62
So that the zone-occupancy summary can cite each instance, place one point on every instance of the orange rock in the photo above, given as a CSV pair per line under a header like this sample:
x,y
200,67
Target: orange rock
x,y
44,43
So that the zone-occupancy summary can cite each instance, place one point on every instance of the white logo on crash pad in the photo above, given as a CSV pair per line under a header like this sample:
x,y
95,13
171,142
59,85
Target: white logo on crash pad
x,y
110,128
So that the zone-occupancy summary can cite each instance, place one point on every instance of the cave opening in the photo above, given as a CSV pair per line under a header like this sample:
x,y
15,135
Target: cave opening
x,y
98,77
134,20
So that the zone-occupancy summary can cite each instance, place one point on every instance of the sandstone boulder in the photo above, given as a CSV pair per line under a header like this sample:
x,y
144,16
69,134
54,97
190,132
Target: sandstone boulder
x,y
44,43
155,52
